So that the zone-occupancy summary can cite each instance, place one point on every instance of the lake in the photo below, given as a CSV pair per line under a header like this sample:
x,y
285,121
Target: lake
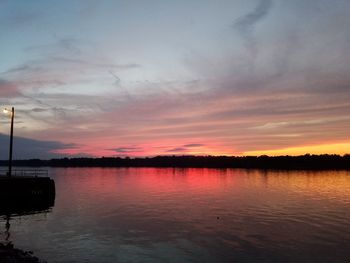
x,y
190,215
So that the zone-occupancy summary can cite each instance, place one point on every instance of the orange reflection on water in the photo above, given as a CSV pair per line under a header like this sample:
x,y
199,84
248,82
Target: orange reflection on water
x,y
331,184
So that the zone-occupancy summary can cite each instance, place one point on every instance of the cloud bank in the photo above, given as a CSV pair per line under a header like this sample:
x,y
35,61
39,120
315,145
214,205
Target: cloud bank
x,y
25,148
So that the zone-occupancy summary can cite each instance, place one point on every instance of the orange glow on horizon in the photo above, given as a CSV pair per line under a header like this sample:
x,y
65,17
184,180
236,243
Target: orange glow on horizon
x,y
150,150
335,148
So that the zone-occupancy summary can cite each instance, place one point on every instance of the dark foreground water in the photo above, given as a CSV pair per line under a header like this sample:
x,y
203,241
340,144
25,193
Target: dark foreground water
x,y
190,215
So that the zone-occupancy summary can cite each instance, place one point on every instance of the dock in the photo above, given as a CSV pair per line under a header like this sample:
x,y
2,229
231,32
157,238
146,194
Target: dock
x,y
26,190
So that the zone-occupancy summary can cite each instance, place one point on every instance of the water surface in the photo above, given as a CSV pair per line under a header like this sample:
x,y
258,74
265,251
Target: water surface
x,y
190,215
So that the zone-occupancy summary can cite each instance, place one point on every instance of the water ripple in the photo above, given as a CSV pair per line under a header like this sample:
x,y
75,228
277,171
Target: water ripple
x,y
191,215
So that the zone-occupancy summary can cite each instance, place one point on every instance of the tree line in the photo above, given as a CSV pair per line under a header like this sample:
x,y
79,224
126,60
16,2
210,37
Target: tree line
x,y
305,162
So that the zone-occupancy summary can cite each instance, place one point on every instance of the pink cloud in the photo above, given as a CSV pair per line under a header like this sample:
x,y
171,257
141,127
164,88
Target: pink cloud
x,y
8,89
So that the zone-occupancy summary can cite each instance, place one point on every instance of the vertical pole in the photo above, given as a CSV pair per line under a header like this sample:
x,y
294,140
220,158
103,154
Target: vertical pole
x,y
7,231
11,142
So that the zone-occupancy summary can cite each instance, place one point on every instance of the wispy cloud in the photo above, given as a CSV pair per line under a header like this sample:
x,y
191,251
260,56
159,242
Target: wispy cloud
x,y
246,24
39,110
125,150
93,64
192,145
65,45
19,18
177,150
8,89
187,148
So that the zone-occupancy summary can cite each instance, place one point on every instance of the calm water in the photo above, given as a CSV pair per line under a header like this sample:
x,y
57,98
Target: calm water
x,y
190,215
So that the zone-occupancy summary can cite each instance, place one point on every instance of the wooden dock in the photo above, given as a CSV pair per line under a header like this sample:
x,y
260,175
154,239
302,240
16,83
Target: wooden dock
x,y
26,192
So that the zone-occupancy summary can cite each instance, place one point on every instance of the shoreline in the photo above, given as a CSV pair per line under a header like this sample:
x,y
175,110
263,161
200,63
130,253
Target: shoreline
x,y
303,162
10,254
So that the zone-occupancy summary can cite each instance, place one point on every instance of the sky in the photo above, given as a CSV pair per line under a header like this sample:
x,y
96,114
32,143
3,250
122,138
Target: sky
x,y
158,77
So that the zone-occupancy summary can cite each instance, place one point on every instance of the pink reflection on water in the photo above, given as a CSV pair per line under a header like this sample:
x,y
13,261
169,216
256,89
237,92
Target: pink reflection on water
x,y
190,215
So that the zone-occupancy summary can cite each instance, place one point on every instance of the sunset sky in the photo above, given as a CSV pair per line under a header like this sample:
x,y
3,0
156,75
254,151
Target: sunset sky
x,y
204,77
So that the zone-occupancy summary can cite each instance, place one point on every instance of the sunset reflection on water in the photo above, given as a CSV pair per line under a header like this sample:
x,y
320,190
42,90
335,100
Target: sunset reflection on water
x,y
192,215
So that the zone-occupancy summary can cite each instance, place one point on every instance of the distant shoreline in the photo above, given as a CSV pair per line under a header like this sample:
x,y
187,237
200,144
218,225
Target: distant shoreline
x,y
303,162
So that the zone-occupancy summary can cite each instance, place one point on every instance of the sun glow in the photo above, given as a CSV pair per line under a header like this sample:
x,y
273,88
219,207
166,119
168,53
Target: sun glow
x,y
335,148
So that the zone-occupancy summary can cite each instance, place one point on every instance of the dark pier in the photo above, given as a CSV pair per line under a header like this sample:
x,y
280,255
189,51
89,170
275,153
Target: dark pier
x,y
25,191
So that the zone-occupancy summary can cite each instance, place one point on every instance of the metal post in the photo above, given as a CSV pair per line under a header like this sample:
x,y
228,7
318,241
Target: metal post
x,y
11,142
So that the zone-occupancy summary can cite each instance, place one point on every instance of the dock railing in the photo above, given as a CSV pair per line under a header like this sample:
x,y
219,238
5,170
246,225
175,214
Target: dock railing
x,y
25,172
